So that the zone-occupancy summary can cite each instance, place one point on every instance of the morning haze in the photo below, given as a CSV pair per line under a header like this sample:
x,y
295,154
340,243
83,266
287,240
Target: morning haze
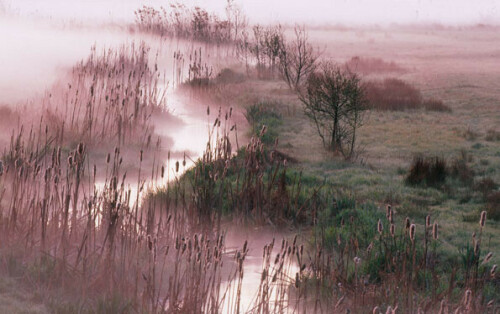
x,y
249,156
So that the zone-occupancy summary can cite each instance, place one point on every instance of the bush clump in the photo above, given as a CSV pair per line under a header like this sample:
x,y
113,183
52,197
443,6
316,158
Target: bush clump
x,y
395,94
493,206
427,171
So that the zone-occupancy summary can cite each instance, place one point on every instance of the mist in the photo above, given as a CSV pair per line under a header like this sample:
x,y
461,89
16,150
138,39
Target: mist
x,y
320,12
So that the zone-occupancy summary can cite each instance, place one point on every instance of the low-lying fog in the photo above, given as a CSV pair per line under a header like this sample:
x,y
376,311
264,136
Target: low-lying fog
x,y
285,11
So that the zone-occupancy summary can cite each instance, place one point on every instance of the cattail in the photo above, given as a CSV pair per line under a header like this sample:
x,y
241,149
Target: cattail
x,y
264,275
297,282
482,221
443,307
412,232
263,130
493,270
393,230
488,257
208,110
80,149
407,223
1,168
150,243
70,160
428,221
141,155
435,231
177,166
380,227
108,158
162,171
388,213
370,247
467,298
58,156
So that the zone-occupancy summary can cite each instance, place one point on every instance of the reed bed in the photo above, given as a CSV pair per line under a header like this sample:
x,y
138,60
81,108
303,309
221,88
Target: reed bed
x,y
109,97
195,23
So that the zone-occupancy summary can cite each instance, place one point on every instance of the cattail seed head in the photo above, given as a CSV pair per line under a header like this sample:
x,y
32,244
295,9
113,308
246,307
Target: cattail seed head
x,y
468,298
435,227
443,307
482,221
297,282
407,223
389,214
393,230
380,227
80,149
177,166
369,248
428,221
488,257
412,232
493,270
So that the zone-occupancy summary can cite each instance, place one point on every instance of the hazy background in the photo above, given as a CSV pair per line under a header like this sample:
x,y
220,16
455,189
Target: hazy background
x,y
312,11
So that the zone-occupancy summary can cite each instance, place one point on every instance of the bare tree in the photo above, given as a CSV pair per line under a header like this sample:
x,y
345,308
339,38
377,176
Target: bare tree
x,y
334,100
297,59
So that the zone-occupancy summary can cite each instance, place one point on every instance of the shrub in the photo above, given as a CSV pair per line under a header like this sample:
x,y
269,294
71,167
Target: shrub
x,y
427,171
493,206
461,170
492,135
435,105
486,186
6,115
371,65
396,94
264,114
392,94
227,76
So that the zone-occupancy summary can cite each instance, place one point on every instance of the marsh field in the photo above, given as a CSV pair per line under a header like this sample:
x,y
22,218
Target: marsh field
x,y
192,162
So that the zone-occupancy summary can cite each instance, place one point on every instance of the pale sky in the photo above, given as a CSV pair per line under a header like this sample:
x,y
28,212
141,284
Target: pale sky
x,y
312,11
